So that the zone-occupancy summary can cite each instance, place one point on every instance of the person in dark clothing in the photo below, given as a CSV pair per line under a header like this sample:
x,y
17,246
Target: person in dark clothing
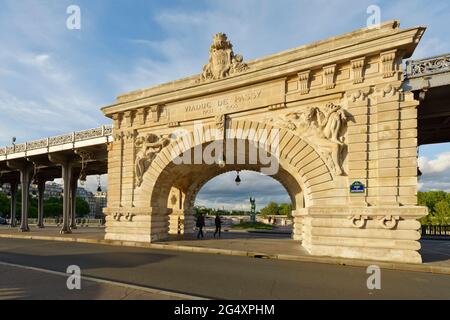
x,y
200,225
218,223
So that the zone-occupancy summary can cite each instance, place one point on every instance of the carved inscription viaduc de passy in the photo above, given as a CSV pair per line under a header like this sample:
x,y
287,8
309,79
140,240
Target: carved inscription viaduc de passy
x,y
147,148
224,104
222,60
323,128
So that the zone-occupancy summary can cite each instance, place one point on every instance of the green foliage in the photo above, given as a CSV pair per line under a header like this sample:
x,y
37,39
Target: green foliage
x,y
442,212
4,205
52,207
438,203
82,207
285,209
273,209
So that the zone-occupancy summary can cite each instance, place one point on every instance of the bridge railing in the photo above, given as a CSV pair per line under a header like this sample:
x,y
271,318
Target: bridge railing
x,y
83,222
433,230
428,66
73,137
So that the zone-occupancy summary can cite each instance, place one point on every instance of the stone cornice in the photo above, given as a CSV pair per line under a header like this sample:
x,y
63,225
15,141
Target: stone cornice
x,y
334,50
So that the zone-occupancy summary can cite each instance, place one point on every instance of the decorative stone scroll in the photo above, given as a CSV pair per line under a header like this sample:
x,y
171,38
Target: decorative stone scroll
x,y
322,127
358,221
222,60
389,222
147,148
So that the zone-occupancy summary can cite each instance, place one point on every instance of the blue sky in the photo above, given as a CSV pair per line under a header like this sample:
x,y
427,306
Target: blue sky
x,y
54,80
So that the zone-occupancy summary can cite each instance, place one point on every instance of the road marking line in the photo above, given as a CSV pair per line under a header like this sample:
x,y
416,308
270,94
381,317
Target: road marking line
x,y
109,282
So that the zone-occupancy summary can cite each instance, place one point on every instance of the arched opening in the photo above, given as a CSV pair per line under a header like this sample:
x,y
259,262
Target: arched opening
x,y
178,185
434,190
222,196
169,187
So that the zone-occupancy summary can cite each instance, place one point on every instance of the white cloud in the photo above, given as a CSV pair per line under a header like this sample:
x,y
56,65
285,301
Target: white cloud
x,y
222,191
42,92
435,172
438,165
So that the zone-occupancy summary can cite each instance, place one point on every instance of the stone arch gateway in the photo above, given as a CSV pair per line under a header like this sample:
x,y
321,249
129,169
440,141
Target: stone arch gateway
x,y
329,121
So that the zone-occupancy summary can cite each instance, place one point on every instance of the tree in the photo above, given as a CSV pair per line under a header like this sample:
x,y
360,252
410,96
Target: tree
x,y
438,203
430,198
285,209
442,213
271,209
4,205
82,207
53,207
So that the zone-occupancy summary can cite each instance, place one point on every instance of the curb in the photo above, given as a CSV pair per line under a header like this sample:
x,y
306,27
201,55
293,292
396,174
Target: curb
x,y
411,267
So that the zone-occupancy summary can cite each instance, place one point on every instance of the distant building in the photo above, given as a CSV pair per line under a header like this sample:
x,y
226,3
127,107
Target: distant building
x,y
5,189
96,201
52,190
100,203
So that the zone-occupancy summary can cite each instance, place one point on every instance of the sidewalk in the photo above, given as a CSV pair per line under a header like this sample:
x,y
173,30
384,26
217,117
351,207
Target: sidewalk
x,y
435,253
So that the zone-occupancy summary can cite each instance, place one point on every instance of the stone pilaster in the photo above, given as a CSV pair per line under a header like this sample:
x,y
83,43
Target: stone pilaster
x,y
115,157
358,132
137,224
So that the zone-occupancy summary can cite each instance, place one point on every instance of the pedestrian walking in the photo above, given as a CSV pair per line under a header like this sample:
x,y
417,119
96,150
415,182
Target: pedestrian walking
x,y
218,223
200,225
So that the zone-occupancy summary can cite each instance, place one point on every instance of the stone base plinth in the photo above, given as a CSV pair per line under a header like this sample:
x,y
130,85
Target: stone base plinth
x,y
139,227
370,233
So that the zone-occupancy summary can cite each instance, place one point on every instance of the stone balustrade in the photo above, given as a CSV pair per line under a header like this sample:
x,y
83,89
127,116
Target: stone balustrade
x,y
78,136
428,66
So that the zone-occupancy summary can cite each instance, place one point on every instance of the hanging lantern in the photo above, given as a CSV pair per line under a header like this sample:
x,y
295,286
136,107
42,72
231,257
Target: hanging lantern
x,y
82,178
99,188
238,179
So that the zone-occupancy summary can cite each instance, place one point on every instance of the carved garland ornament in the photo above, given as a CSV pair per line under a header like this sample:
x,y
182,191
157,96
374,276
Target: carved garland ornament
x,y
222,60
147,148
322,127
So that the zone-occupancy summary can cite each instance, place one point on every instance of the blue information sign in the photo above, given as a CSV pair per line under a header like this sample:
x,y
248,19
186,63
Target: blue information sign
x,y
357,187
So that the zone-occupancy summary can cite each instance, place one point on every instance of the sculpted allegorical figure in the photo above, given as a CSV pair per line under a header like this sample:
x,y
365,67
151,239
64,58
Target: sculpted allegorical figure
x,y
326,129
148,147
321,127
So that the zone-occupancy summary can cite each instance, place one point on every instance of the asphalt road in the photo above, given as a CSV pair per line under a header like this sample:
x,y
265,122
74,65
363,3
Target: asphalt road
x,y
216,276
15,285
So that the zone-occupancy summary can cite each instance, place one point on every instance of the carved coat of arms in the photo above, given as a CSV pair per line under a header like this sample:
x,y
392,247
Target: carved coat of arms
x,y
222,60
